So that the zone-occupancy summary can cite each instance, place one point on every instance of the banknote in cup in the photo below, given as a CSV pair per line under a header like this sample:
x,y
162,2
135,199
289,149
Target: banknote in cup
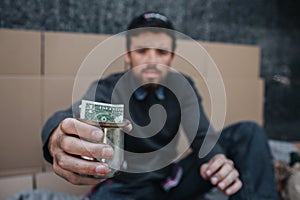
x,y
101,112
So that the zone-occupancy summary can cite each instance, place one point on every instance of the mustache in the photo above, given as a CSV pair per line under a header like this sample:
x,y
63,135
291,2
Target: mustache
x,y
151,67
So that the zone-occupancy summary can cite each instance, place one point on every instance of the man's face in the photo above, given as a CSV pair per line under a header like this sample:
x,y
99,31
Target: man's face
x,y
150,56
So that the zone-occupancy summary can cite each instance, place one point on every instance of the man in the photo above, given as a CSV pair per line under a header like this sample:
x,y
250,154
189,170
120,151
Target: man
x,y
240,163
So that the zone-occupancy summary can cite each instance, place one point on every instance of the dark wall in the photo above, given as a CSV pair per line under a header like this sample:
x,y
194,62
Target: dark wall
x,y
274,25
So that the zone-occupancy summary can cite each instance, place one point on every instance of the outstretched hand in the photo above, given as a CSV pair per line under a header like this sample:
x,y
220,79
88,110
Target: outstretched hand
x,y
73,139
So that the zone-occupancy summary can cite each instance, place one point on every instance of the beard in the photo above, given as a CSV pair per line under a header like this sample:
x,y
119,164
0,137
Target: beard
x,y
151,83
150,86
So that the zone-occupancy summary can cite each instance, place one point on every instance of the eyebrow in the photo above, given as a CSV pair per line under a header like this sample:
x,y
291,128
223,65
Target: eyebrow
x,y
149,47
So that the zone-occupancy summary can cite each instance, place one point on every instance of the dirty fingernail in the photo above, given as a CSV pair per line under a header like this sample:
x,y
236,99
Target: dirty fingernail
x,y
222,185
228,191
214,180
208,172
100,169
97,135
107,152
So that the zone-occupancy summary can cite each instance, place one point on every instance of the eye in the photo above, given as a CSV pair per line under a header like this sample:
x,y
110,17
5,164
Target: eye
x,y
141,50
162,52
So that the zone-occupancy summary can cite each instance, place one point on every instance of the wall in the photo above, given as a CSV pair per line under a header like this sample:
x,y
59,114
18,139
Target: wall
x,y
273,25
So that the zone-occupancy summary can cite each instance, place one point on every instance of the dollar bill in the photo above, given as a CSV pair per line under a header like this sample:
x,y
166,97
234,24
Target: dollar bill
x,y
101,112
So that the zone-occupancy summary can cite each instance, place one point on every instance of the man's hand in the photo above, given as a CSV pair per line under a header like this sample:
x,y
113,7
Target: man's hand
x,y
221,172
73,139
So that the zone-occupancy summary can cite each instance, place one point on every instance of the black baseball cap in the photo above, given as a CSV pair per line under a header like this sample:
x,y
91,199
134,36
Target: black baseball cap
x,y
153,22
151,19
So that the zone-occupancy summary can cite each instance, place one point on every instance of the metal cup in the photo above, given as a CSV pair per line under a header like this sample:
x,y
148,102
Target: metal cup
x,y
113,136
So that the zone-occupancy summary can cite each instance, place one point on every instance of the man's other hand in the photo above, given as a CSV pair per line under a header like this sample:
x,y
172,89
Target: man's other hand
x,y
222,173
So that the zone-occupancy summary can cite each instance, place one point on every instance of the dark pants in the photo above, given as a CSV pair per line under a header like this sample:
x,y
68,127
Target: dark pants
x,y
245,143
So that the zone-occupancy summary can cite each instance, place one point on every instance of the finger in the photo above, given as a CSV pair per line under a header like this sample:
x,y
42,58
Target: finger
x,y
73,177
81,129
222,173
228,180
80,166
203,170
127,128
236,186
230,162
80,147
215,164
53,140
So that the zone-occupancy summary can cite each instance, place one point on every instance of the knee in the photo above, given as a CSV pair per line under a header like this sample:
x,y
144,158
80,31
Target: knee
x,y
257,133
252,127
250,130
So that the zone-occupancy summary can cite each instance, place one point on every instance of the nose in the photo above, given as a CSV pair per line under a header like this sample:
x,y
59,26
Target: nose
x,y
152,56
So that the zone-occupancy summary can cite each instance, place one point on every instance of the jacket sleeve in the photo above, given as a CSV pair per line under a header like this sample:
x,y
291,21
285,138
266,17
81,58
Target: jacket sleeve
x,y
192,103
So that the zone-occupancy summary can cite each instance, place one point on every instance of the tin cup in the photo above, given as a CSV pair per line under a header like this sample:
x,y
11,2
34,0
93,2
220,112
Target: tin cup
x,y
113,136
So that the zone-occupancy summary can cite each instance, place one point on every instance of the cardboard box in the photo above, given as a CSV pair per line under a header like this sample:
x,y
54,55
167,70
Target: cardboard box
x,y
11,185
234,61
57,94
65,52
20,52
243,100
50,181
20,122
191,58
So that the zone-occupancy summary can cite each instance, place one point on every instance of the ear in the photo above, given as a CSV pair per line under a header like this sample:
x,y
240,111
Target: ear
x,y
127,58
